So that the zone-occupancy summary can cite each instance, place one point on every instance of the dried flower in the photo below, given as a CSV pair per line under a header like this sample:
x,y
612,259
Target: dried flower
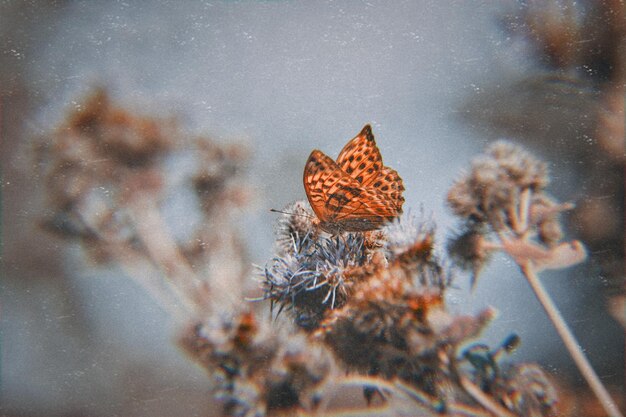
x,y
258,370
108,181
378,307
572,108
523,388
504,194
293,229
526,390
470,251
217,182
498,196
310,276
490,191
366,308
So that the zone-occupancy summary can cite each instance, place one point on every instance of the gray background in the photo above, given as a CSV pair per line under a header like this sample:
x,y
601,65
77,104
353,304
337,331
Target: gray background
x,y
285,77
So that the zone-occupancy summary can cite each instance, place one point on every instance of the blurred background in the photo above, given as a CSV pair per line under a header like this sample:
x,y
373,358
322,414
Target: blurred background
x,y
437,81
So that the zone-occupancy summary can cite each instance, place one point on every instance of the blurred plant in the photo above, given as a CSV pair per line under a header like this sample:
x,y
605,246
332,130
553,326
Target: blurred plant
x,y
363,311
502,202
571,108
107,181
376,300
258,369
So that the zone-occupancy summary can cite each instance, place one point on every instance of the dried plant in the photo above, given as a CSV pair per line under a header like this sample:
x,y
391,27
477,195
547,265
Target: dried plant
x,y
107,180
361,311
259,369
376,300
503,194
503,202
569,107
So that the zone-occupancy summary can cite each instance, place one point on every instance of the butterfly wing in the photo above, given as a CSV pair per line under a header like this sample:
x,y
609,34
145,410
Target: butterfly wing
x,y
369,211
390,185
323,185
340,201
360,158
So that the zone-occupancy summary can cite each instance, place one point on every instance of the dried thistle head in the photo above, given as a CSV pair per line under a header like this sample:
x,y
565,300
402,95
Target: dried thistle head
x,y
311,277
115,133
102,153
470,250
523,389
258,370
297,224
386,316
504,194
544,217
100,158
413,338
490,192
217,183
526,390
313,273
103,161
406,231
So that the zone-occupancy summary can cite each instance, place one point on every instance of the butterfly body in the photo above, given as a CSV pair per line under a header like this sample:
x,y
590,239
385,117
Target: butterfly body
x,y
356,193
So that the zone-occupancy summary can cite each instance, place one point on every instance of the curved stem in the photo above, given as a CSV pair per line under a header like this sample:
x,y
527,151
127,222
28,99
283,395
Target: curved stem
x,y
570,342
165,254
483,399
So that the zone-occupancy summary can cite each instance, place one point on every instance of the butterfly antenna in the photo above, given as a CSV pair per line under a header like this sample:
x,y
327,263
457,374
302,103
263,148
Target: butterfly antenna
x,y
291,214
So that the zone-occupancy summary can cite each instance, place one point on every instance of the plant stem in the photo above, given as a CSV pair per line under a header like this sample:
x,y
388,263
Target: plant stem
x,y
524,207
570,342
483,399
165,254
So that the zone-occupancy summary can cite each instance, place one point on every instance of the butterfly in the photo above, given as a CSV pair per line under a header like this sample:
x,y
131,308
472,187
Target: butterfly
x,y
357,193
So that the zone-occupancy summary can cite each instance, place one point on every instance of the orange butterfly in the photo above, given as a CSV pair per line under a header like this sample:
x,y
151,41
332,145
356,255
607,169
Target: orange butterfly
x,y
357,193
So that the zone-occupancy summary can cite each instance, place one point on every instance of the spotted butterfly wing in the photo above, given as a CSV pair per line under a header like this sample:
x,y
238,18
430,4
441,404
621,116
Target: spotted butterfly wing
x,y
341,202
360,158
390,184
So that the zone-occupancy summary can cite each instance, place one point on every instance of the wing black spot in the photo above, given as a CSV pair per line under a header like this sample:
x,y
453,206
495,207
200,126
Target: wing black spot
x,y
336,200
355,191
